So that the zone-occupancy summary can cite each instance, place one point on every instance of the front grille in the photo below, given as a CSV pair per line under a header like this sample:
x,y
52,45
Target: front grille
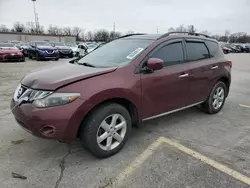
x,y
12,57
65,51
50,51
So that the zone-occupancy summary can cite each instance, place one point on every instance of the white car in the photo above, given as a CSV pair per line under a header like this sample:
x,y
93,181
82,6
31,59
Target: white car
x,y
73,47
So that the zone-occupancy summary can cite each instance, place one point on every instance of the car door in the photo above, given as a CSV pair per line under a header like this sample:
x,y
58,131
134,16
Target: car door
x,y
201,64
166,89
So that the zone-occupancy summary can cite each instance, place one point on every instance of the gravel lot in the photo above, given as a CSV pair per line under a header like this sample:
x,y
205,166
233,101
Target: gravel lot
x,y
224,137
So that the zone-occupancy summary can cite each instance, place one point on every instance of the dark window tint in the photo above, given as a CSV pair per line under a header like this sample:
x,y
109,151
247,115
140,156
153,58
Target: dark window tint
x,y
196,51
212,46
171,54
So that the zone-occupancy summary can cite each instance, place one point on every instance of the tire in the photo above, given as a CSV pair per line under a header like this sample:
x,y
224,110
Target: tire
x,y
38,57
71,56
208,106
56,59
91,128
30,57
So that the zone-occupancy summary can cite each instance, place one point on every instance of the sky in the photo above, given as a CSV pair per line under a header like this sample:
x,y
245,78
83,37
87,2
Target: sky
x,y
145,16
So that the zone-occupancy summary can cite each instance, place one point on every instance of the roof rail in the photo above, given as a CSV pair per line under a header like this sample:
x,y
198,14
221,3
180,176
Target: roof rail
x,y
183,32
128,35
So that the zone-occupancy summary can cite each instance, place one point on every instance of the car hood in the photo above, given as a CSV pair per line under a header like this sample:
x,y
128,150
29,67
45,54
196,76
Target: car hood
x,y
74,48
9,50
63,48
54,76
46,48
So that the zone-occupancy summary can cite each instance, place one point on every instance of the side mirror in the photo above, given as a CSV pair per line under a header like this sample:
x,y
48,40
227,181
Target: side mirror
x,y
155,63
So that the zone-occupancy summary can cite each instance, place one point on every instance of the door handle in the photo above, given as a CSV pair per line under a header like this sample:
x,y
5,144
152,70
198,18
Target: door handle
x,y
184,75
214,67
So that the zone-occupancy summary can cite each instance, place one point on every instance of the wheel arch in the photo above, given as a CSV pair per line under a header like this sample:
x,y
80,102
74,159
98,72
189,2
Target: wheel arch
x,y
226,81
128,104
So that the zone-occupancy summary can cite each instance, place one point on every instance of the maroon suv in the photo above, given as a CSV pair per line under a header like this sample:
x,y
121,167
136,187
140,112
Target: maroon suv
x,y
129,80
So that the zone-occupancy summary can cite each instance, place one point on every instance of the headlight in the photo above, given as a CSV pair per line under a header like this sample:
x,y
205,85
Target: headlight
x,y
41,50
56,99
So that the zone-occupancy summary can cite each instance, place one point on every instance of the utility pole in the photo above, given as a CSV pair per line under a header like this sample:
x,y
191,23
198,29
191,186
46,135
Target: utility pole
x,y
157,30
114,27
36,15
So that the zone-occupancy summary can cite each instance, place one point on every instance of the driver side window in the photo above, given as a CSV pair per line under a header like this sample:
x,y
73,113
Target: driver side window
x,y
171,54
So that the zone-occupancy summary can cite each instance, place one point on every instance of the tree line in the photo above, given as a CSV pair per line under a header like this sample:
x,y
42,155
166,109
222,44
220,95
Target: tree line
x,y
237,37
80,34
105,35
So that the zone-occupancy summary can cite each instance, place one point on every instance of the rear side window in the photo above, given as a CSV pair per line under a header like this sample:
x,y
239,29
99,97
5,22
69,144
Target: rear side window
x,y
196,51
171,54
213,47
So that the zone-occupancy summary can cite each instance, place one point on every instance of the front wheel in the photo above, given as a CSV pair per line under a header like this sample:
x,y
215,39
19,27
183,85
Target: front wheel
x,y
106,130
216,99
38,57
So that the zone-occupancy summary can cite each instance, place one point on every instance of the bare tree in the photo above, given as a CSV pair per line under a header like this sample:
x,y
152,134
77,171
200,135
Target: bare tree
x,y
191,29
18,27
67,31
205,32
181,28
54,30
76,32
114,35
31,27
171,29
89,36
3,28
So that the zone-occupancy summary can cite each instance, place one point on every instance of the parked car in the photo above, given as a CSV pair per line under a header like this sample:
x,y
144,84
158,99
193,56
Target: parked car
x,y
82,50
99,97
15,42
64,50
73,48
226,50
8,52
246,48
92,47
235,49
23,47
42,50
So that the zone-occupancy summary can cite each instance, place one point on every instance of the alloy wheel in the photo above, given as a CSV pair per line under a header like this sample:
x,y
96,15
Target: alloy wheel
x,y
111,132
218,98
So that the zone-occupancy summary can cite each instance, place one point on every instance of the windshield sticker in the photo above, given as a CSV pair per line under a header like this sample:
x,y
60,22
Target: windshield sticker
x,y
134,53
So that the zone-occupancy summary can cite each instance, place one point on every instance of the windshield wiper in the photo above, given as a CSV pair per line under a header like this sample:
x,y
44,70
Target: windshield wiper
x,y
86,64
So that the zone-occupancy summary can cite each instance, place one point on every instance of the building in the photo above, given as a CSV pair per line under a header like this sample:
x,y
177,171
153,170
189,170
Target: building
x,y
26,37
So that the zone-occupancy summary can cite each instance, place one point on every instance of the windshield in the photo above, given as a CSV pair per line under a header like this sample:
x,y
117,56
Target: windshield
x,y
71,45
15,42
23,44
59,44
7,45
116,53
43,44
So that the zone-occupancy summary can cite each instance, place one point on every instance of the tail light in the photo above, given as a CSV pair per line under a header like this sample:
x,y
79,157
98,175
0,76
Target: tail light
x,y
230,64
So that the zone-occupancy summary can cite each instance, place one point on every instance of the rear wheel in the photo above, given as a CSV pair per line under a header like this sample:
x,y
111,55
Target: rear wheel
x,y
216,99
106,130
